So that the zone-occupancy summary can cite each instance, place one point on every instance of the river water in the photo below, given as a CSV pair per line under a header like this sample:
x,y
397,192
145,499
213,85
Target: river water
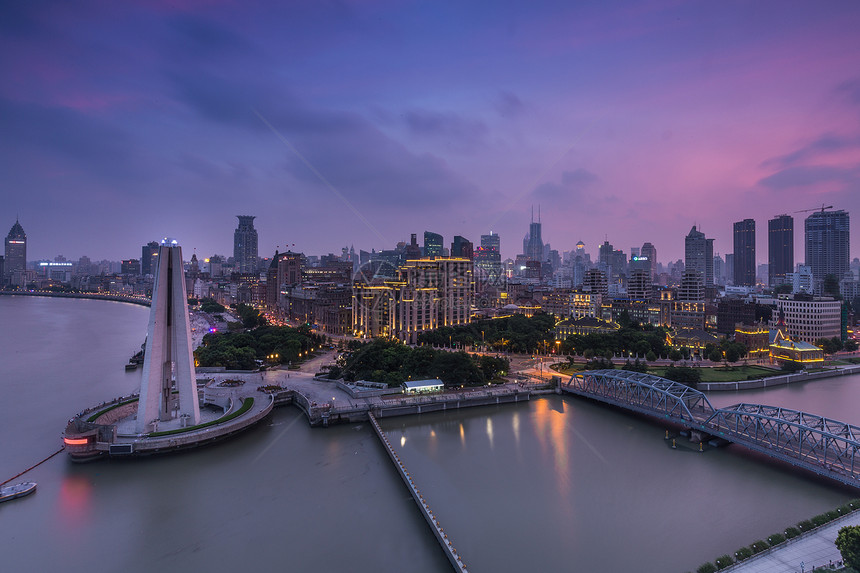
x,y
556,484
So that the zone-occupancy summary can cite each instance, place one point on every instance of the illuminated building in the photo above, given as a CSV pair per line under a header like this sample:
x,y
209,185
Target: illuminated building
x,y
780,249
245,245
16,252
426,294
168,386
756,338
744,251
784,350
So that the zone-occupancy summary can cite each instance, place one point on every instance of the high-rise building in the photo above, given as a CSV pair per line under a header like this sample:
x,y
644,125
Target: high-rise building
x,y
433,244
462,248
826,238
648,252
780,249
744,240
245,245
16,250
148,258
534,248
488,260
492,241
699,255
639,285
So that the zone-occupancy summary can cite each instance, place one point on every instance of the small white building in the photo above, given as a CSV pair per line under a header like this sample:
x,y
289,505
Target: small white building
x,y
422,386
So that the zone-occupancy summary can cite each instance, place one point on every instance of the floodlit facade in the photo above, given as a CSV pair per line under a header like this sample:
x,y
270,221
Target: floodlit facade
x,y
425,295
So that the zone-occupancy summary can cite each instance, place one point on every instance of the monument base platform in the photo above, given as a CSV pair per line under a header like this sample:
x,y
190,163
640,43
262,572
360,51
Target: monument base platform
x,y
105,430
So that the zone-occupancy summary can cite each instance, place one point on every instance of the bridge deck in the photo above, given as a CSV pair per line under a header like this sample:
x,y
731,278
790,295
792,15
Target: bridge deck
x,y
821,445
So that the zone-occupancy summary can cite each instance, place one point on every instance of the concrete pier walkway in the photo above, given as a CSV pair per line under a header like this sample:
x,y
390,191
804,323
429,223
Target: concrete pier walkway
x,y
816,548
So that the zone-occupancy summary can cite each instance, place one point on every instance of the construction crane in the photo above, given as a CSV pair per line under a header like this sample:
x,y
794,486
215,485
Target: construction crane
x,y
822,208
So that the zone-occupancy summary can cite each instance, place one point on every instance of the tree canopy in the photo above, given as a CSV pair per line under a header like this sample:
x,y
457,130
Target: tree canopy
x,y
241,350
848,543
392,363
516,333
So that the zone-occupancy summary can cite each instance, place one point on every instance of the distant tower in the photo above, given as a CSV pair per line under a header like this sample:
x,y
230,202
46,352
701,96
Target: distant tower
x,y
699,255
826,237
432,244
780,249
16,250
148,258
744,241
534,248
245,245
168,363
649,252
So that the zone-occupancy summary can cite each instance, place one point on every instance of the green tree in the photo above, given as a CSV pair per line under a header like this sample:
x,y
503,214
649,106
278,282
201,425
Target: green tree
x,y
715,356
831,286
850,345
650,357
848,543
675,355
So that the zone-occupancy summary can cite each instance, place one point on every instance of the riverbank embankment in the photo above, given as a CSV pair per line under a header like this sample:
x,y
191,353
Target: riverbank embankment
x,y
142,301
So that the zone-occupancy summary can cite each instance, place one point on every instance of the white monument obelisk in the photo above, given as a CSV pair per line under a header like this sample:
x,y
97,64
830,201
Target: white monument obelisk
x,y
168,363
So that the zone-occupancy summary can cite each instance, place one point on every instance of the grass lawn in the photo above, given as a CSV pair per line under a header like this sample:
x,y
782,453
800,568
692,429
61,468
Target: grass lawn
x,y
717,374
730,374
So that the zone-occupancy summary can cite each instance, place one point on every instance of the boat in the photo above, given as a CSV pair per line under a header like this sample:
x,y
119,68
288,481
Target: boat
x,y
10,492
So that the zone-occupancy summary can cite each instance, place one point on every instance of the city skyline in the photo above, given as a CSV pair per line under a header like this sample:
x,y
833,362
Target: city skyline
x,y
355,124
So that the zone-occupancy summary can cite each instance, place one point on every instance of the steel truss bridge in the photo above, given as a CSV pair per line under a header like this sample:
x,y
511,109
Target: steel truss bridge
x,y
820,445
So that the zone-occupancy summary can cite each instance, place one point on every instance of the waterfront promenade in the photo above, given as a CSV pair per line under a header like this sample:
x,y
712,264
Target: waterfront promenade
x,y
816,548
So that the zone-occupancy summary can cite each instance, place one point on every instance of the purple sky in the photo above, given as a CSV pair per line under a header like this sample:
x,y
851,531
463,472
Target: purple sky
x,y
361,122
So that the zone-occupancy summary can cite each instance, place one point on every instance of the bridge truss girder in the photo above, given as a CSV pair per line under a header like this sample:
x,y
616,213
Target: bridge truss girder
x,y
824,446
645,393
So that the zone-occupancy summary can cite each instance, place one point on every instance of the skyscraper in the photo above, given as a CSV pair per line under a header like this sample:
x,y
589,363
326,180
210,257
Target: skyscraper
x,y
433,244
462,247
699,255
826,238
780,249
534,249
16,250
744,251
148,258
488,260
245,245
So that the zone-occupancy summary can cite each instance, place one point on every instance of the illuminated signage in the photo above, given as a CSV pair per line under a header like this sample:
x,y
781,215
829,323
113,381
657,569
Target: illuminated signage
x,y
640,258
46,264
17,242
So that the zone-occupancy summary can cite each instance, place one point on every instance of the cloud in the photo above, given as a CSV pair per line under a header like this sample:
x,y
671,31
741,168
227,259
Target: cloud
x,y
826,144
804,176
203,38
364,164
571,186
71,141
465,133
509,105
850,89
